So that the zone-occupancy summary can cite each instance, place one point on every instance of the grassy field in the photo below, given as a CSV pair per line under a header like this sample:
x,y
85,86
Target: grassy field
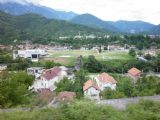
x,y
68,57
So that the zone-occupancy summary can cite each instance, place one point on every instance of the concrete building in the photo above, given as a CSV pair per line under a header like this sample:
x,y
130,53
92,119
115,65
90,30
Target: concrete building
x,y
33,54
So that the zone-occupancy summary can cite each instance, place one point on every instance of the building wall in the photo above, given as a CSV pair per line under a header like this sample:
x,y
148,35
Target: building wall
x,y
92,93
103,86
50,84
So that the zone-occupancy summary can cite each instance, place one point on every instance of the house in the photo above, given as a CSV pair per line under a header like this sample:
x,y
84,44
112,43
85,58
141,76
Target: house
x,y
45,95
91,90
4,47
90,37
33,54
49,78
151,52
134,73
104,81
115,47
35,71
66,96
3,67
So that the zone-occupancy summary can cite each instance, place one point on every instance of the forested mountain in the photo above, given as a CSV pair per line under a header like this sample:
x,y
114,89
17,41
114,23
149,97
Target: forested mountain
x,y
37,28
89,20
132,26
19,9
119,26
93,21
155,30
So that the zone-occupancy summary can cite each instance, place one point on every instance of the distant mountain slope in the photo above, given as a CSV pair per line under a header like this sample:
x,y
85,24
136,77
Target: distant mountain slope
x,y
19,9
92,21
119,26
132,26
37,28
155,30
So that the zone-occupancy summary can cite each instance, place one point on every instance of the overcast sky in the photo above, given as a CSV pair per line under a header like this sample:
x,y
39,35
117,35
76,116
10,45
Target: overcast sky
x,y
146,10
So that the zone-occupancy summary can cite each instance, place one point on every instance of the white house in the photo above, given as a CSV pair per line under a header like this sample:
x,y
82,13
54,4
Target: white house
x,y
3,67
105,81
49,78
90,37
91,90
135,74
35,71
33,54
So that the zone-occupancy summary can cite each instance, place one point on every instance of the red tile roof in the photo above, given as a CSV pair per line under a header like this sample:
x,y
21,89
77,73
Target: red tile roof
x,y
90,83
66,96
51,73
45,94
105,78
134,72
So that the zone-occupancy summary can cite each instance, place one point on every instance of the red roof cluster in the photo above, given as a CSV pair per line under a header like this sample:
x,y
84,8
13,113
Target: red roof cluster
x,y
90,83
134,72
51,73
105,78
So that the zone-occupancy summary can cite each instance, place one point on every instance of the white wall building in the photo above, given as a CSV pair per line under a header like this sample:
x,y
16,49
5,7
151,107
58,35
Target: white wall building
x,y
35,71
49,78
3,67
93,87
106,81
33,54
91,90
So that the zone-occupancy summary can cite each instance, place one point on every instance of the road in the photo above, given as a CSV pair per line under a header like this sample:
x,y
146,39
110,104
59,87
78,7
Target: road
x,y
122,103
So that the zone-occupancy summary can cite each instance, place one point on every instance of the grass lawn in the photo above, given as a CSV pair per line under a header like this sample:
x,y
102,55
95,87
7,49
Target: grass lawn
x,y
68,57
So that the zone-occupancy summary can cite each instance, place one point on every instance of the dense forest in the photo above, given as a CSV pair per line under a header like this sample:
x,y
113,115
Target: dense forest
x,y
36,28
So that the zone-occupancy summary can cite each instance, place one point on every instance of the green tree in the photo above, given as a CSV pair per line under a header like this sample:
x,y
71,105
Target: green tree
x,y
64,85
80,78
14,88
93,65
111,94
132,52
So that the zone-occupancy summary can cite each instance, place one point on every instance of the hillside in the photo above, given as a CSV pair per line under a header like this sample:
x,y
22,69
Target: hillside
x,y
155,30
37,28
89,20
93,21
131,26
19,9
121,26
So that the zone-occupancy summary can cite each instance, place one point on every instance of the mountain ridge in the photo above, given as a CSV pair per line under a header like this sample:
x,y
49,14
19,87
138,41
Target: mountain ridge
x,y
92,21
38,29
19,9
89,20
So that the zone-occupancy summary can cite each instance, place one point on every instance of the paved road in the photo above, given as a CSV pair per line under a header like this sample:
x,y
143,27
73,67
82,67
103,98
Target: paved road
x,y
122,103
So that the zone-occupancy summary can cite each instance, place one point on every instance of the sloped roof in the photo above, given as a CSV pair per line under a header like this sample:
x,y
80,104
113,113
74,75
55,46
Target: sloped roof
x,y
45,94
106,78
90,83
66,96
134,71
51,73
